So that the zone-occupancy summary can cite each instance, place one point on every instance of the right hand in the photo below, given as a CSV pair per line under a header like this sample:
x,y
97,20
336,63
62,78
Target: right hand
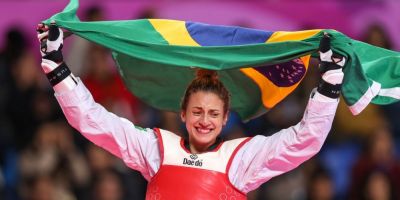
x,y
51,43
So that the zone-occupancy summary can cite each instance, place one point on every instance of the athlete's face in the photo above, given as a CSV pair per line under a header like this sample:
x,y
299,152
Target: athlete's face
x,y
204,117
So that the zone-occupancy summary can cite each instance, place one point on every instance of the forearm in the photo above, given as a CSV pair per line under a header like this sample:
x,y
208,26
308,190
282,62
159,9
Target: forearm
x,y
263,158
53,65
78,105
308,136
300,142
136,146
92,120
117,135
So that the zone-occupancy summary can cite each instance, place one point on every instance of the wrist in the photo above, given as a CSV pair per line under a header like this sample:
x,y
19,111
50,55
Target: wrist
x,y
329,90
67,84
58,73
322,98
49,65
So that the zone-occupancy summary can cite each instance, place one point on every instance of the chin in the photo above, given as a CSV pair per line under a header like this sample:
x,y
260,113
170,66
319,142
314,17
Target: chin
x,y
204,139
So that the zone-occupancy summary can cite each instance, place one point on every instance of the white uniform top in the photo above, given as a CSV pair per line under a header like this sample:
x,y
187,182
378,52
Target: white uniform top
x,y
215,160
256,162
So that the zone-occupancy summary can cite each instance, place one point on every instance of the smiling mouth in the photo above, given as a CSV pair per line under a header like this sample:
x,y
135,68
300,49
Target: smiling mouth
x,y
203,130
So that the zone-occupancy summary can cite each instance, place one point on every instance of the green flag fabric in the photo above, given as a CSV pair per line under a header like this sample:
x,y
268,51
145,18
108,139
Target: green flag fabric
x,y
157,59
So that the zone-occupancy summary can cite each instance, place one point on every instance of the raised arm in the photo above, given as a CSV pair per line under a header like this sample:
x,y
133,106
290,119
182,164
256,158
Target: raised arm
x,y
136,146
265,157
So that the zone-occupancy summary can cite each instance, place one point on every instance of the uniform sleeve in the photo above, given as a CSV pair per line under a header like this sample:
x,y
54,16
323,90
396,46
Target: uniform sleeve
x,y
136,146
263,158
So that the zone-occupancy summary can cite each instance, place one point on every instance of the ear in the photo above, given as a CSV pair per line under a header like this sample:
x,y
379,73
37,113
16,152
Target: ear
x,y
183,116
225,120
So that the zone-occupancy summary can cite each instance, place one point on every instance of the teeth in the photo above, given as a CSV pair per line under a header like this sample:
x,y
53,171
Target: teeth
x,y
203,131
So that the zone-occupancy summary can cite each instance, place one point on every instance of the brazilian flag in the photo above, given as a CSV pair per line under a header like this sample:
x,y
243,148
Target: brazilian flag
x,y
157,59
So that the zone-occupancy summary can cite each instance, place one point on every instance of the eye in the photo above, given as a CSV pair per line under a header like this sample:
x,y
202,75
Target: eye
x,y
196,113
214,114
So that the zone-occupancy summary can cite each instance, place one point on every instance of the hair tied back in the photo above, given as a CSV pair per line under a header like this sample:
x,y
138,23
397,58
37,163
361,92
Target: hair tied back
x,y
206,74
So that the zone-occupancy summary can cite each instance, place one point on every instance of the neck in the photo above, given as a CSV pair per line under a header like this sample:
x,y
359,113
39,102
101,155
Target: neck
x,y
196,149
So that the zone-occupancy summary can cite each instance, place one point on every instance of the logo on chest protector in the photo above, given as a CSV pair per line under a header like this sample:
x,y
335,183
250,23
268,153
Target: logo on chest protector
x,y
193,161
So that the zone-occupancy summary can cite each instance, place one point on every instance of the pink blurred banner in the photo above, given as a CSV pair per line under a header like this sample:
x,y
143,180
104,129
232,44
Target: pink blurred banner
x,y
349,17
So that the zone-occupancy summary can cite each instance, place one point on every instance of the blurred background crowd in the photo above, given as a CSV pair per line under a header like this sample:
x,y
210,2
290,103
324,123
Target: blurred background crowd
x,y
43,158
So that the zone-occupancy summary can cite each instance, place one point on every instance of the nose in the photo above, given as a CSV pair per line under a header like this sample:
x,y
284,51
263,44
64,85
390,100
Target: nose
x,y
204,120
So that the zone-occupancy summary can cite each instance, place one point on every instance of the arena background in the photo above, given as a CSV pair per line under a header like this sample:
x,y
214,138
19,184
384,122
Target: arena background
x,y
41,157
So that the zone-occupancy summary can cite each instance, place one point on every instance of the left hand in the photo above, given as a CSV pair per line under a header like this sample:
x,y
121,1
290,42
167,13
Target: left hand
x,y
331,64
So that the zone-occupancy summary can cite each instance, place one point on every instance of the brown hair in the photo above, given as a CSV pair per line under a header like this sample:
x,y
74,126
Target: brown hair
x,y
207,81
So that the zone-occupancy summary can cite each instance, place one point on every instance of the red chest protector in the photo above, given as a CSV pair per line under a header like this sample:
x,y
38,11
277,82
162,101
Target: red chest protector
x,y
183,175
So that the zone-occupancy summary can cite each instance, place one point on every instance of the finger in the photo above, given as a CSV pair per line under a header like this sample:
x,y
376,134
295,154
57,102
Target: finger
x,y
40,28
42,36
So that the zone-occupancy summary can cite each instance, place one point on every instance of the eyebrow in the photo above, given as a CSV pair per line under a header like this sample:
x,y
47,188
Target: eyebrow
x,y
211,110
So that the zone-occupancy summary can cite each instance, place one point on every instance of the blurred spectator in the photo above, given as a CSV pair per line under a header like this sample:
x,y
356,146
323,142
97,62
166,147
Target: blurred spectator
x,y
146,13
378,186
15,44
106,85
10,56
372,116
320,185
53,168
347,125
338,159
43,187
1,183
52,153
77,54
296,184
98,159
378,36
171,121
108,186
28,103
101,162
289,186
14,59
94,13
379,155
